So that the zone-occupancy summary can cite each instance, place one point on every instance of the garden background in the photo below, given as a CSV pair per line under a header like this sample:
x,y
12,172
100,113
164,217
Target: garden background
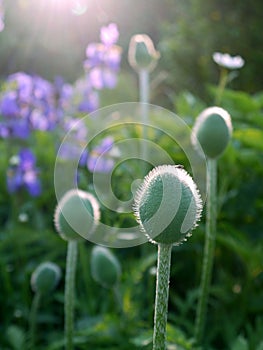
x,y
47,40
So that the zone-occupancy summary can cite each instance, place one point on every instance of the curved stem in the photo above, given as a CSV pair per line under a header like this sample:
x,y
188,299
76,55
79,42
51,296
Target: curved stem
x,y
33,320
70,293
208,250
161,297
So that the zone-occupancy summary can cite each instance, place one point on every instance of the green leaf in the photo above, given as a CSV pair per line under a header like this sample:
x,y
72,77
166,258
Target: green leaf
x,y
16,337
240,344
260,346
250,137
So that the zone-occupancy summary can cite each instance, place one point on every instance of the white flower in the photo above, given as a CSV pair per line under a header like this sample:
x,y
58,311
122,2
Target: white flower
x,y
227,61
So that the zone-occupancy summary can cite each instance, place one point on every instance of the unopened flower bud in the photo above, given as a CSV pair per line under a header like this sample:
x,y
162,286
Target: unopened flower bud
x,y
168,205
76,215
213,130
142,54
45,278
105,267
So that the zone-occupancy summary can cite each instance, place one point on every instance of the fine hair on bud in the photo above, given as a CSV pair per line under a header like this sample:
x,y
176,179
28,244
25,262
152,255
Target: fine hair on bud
x,y
76,215
105,267
168,205
142,53
45,277
212,131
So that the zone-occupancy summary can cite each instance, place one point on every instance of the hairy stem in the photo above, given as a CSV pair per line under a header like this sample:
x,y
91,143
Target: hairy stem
x,y
70,293
208,250
161,298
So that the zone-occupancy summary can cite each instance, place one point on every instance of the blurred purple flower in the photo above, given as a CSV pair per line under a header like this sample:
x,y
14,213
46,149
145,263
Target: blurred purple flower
x,y
109,35
76,141
103,59
64,93
99,158
28,103
22,173
2,16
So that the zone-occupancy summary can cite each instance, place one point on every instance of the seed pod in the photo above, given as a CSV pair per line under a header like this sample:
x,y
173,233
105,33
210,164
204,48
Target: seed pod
x,y
142,54
168,205
45,277
213,130
105,267
76,215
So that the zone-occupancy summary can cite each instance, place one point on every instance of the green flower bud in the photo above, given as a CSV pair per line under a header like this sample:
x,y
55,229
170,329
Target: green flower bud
x,y
142,54
76,215
213,130
45,278
105,267
168,205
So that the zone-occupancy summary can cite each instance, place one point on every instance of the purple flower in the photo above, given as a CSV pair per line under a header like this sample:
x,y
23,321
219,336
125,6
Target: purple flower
x,y
28,103
22,173
2,16
64,93
78,138
109,35
99,158
87,97
9,105
103,59
103,78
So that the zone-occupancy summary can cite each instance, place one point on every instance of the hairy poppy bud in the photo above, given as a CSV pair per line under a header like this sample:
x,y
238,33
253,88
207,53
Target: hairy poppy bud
x,y
45,277
142,54
168,205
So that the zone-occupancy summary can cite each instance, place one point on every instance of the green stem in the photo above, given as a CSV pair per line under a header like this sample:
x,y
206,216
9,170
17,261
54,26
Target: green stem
x,y
144,85
208,250
161,298
33,320
118,298
70,293
144,99
221,86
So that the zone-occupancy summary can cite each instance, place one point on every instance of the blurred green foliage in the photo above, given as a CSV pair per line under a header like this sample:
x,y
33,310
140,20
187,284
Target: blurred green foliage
x,y
198,28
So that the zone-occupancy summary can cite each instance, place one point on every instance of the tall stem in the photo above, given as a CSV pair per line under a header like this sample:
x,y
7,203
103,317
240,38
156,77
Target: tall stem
x,y
161,298
70,293
144,99
33,320
209,249
221,86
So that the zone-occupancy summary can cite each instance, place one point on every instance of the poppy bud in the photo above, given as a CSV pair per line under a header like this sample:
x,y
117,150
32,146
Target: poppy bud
x,y
105,267
168,205
76,215
45,277
213,130
142,54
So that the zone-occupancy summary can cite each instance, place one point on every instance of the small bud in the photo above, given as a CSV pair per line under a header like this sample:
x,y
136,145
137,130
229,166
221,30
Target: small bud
x,y
105,267
213,130
142,54
168,205
45,278
76,215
